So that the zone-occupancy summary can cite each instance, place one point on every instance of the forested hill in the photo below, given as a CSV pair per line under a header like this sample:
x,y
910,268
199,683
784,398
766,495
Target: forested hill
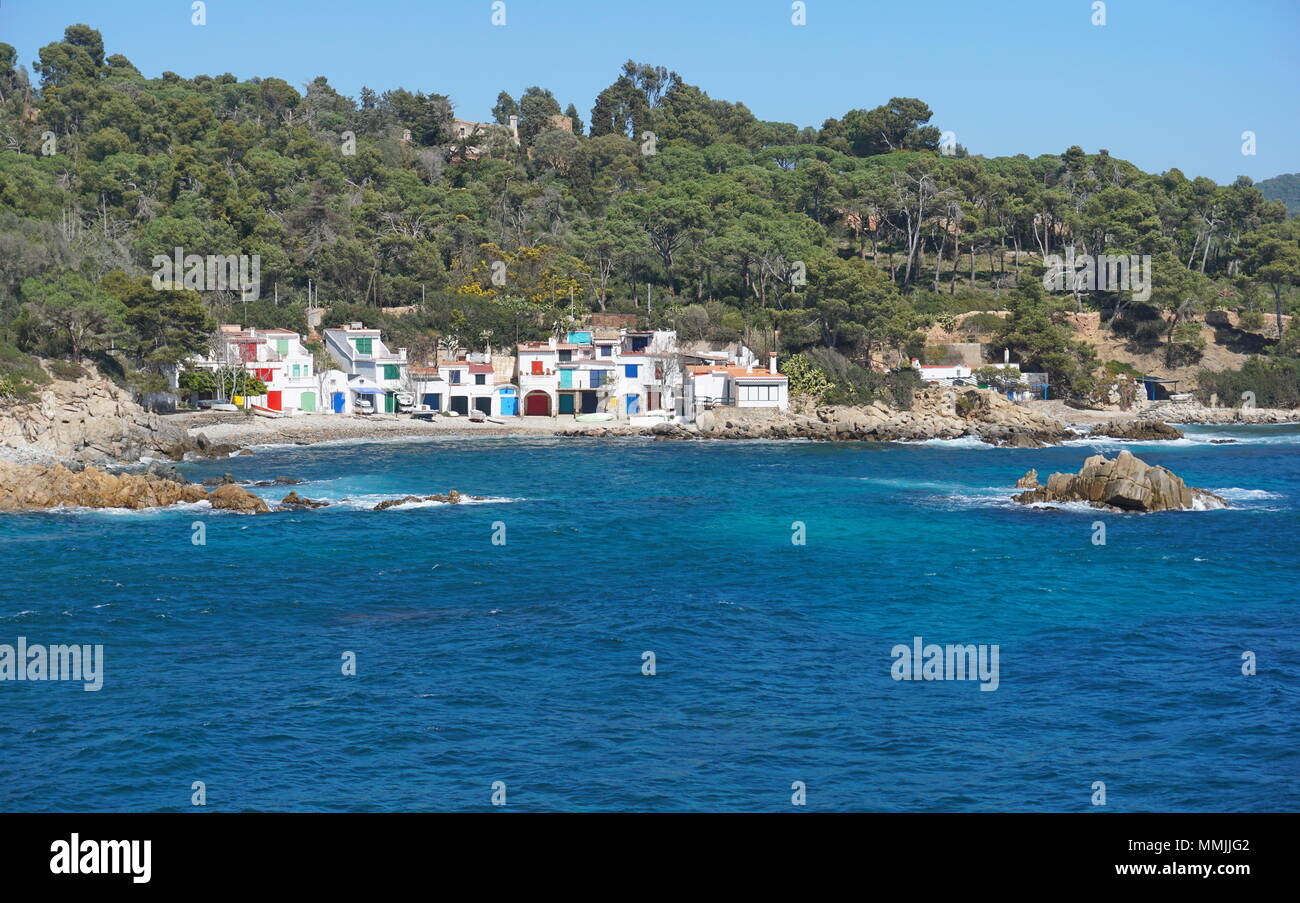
x,y
1284,188
848,237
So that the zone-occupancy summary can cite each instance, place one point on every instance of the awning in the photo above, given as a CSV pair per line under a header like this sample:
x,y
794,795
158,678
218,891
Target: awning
x,y
369,391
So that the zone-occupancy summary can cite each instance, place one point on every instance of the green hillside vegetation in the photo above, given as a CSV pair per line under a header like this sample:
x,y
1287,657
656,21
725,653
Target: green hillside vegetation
x,y
1284,188
848,238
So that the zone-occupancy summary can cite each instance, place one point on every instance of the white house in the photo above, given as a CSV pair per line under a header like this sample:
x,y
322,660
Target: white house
x,y
277,357
376,376
729,385
537,366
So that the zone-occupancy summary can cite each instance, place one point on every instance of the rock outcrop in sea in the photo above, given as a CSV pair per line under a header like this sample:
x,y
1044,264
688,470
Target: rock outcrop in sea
x,y
1124,483
1137,428
452,498
37,487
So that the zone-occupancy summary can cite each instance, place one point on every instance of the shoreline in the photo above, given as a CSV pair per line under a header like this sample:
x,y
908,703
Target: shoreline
x,y
241,433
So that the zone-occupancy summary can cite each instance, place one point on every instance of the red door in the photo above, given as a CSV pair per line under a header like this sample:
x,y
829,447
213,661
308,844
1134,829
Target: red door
x,y
273,400
537,368
537,404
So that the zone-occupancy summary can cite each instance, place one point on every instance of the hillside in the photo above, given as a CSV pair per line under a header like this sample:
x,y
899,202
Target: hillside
x,y
1284,188
847,240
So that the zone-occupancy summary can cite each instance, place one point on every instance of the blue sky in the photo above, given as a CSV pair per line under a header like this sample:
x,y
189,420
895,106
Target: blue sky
x,y
1164,83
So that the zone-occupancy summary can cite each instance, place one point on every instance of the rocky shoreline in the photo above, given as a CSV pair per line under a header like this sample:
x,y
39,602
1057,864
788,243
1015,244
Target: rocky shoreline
x,y
92,421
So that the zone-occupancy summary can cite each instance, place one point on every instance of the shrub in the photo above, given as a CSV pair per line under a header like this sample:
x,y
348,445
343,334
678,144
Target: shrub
x,y
66,370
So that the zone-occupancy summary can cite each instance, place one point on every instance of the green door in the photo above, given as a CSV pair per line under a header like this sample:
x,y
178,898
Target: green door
x,y
390,403
307,402
566,402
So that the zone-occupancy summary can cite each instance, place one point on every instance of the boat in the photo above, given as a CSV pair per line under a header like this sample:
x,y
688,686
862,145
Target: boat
x,y
598,417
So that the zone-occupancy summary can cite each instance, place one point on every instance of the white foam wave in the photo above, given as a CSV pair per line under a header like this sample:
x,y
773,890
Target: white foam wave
x,y
368,502
1235,493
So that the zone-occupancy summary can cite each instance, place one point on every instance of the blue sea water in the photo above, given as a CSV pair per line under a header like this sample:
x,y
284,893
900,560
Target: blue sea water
x,y
522,663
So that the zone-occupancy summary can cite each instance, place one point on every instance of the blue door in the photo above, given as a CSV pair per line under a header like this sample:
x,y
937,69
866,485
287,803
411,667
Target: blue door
x,y
509,404
432,400
634,404
337,402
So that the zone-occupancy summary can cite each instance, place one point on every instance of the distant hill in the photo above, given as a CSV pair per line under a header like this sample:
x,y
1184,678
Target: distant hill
x,y
1284,188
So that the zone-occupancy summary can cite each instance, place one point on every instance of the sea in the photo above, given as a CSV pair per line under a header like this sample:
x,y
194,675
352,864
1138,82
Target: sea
x,y
639,625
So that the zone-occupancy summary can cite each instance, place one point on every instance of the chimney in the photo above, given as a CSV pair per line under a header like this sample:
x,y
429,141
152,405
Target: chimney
x,y
771,362
514,127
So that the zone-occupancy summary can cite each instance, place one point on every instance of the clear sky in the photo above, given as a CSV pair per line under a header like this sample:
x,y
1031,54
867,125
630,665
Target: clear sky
x,y
1164,83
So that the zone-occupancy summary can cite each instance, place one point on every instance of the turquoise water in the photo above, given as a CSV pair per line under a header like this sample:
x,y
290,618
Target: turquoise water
x,y
522,662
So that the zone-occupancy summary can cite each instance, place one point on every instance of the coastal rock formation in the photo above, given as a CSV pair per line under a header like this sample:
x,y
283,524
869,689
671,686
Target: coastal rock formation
x,y
294,500
937,413
85,420
1143,430
236,498
1125,483
36,487
1028,481
453,498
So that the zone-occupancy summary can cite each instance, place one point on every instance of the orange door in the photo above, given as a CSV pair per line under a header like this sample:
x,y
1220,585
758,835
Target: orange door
x,y
273,400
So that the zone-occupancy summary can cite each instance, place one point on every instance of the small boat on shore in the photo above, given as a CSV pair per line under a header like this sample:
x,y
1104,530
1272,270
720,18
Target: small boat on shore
x,y
598,417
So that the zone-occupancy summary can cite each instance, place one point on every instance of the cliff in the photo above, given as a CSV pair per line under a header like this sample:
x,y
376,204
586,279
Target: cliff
x,y
86,420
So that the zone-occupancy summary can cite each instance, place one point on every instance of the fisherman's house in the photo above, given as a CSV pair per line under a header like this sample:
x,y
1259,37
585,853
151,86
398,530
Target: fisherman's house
x,y
376,377
274,356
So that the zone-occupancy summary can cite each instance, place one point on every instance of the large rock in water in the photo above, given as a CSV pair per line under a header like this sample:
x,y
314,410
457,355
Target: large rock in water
x,y
1125,483
1142,430
36,487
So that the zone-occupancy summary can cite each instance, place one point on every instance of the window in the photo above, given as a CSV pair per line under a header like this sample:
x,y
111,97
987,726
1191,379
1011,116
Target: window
x,y
566,355
365,346
296,370
595,379
453,377
392,371
537,368
480,379
282,346
630,370
606,350
759,393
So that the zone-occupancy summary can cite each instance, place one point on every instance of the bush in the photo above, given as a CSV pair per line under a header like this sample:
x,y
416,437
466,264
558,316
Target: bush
x,y
67,370
983,323
1275,383
20,374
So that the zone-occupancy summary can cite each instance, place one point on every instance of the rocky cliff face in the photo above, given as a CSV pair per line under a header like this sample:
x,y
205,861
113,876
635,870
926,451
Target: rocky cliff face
x,y
88,420
37,487
1124,483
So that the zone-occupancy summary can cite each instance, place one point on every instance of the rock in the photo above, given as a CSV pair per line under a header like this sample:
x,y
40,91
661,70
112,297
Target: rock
x,y
236,498
278,481
224,480
391,503
294,500
1125,483
36,487
1223,441
451,498
1028,481
1143,430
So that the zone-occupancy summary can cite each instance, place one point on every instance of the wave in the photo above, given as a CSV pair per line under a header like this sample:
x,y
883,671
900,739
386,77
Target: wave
x,y
1234,493
959,442
368,502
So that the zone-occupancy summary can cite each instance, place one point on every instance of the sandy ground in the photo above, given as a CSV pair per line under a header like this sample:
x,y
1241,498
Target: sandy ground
x,y
245,430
